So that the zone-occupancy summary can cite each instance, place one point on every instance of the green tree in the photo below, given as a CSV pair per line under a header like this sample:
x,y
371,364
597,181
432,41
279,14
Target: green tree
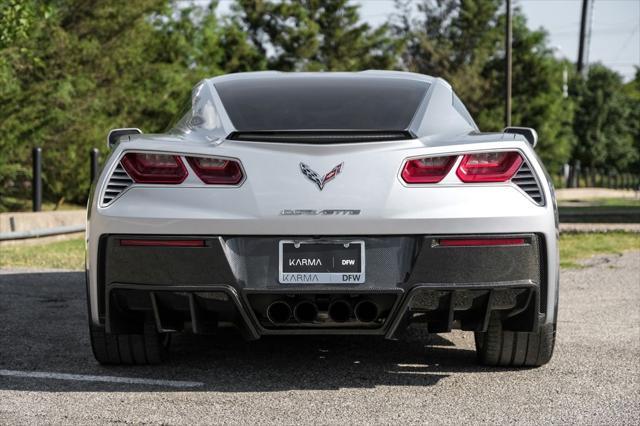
x,y
537,97
19,58
604,123
632,91
72,87
454,40
70,70
86,66
313,35
462,41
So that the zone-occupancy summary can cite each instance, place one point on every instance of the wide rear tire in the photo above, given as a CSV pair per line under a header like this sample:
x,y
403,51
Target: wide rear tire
x,y
149,347
497,347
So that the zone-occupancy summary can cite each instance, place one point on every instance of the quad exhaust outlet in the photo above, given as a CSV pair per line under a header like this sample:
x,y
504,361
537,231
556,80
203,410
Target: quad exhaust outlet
x,y
281,312
305,311
339,310
366,311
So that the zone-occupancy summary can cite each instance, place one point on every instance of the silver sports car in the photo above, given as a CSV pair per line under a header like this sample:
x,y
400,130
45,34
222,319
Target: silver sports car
x,y
323,203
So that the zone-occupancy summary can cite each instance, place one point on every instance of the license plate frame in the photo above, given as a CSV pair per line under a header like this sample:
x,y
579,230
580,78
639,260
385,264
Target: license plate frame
x,y
287,276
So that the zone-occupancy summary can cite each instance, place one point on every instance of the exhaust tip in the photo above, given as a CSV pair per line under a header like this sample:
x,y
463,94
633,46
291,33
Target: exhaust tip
x,y
305,311
279,312
339,311
366,311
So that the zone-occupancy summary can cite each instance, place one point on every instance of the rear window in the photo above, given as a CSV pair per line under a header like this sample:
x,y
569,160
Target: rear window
x,y
199,114
319,103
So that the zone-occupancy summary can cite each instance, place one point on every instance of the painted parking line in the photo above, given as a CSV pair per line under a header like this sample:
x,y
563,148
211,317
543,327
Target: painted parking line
x,y
106,379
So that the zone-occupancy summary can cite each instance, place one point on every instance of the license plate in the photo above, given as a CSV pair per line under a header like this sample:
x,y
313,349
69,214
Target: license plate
x,y
313,262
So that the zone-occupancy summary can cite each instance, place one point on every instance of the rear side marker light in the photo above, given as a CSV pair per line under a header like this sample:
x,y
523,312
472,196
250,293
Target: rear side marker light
x,y
489,166
154,168
428,169
216,171
481,242
162,243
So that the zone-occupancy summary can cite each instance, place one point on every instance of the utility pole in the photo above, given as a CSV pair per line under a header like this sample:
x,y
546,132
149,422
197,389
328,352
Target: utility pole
x,y
94,156
36,185
583,36
507,66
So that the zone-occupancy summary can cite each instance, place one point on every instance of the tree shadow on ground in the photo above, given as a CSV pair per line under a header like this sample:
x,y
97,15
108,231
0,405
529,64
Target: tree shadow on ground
x,y
45,329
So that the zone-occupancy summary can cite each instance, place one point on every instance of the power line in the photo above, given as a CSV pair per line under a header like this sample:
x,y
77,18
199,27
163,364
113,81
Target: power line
x,y
626,42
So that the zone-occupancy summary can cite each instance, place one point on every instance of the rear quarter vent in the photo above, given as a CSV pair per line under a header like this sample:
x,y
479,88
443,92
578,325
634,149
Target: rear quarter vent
x,y
117,184
526,180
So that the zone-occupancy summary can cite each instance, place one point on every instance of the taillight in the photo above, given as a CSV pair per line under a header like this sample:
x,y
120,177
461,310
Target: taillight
x,y
428,169
489,166
154,168
216,171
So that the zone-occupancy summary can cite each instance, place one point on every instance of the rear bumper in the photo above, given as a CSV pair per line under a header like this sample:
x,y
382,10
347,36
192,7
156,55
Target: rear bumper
x,y
233,281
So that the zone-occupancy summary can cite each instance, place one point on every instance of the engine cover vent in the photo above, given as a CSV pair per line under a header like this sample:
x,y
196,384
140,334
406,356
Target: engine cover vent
x,y
527,181
118,182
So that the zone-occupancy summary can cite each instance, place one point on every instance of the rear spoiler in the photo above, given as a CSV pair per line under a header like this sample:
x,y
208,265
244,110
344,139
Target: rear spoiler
x,y
529,134
115,134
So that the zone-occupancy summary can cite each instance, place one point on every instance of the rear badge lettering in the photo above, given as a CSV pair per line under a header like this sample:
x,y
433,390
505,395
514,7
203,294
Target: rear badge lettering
x,y
330,212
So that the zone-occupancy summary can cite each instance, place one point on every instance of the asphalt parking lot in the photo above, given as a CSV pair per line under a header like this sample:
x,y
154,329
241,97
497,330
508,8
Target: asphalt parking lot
x,y
48,375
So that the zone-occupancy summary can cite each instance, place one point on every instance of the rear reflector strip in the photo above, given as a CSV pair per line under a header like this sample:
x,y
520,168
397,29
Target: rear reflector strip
x,y
162,243
482,242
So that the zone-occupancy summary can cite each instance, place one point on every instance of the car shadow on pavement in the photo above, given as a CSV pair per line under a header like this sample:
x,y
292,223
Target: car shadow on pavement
x,y
44,329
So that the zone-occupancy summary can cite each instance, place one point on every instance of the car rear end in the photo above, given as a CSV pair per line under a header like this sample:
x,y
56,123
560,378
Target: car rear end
x,y
357,237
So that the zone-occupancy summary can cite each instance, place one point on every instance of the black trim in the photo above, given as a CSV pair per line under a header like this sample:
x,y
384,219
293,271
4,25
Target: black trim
x,y
348,328
321,137
523,316
168,281
101,276
158,265
476,264
544,275
186,291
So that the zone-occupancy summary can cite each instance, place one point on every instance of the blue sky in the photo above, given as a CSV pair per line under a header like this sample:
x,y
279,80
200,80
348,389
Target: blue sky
x,y
615,30
615,37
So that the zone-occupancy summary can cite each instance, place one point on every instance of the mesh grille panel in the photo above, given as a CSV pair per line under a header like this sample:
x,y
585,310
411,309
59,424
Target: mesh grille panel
x,y
527,181
118,182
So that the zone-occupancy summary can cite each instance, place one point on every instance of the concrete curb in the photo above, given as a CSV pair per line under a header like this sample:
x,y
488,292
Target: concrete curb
x,y
28,221
583,228
38,233
41,227
585,194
